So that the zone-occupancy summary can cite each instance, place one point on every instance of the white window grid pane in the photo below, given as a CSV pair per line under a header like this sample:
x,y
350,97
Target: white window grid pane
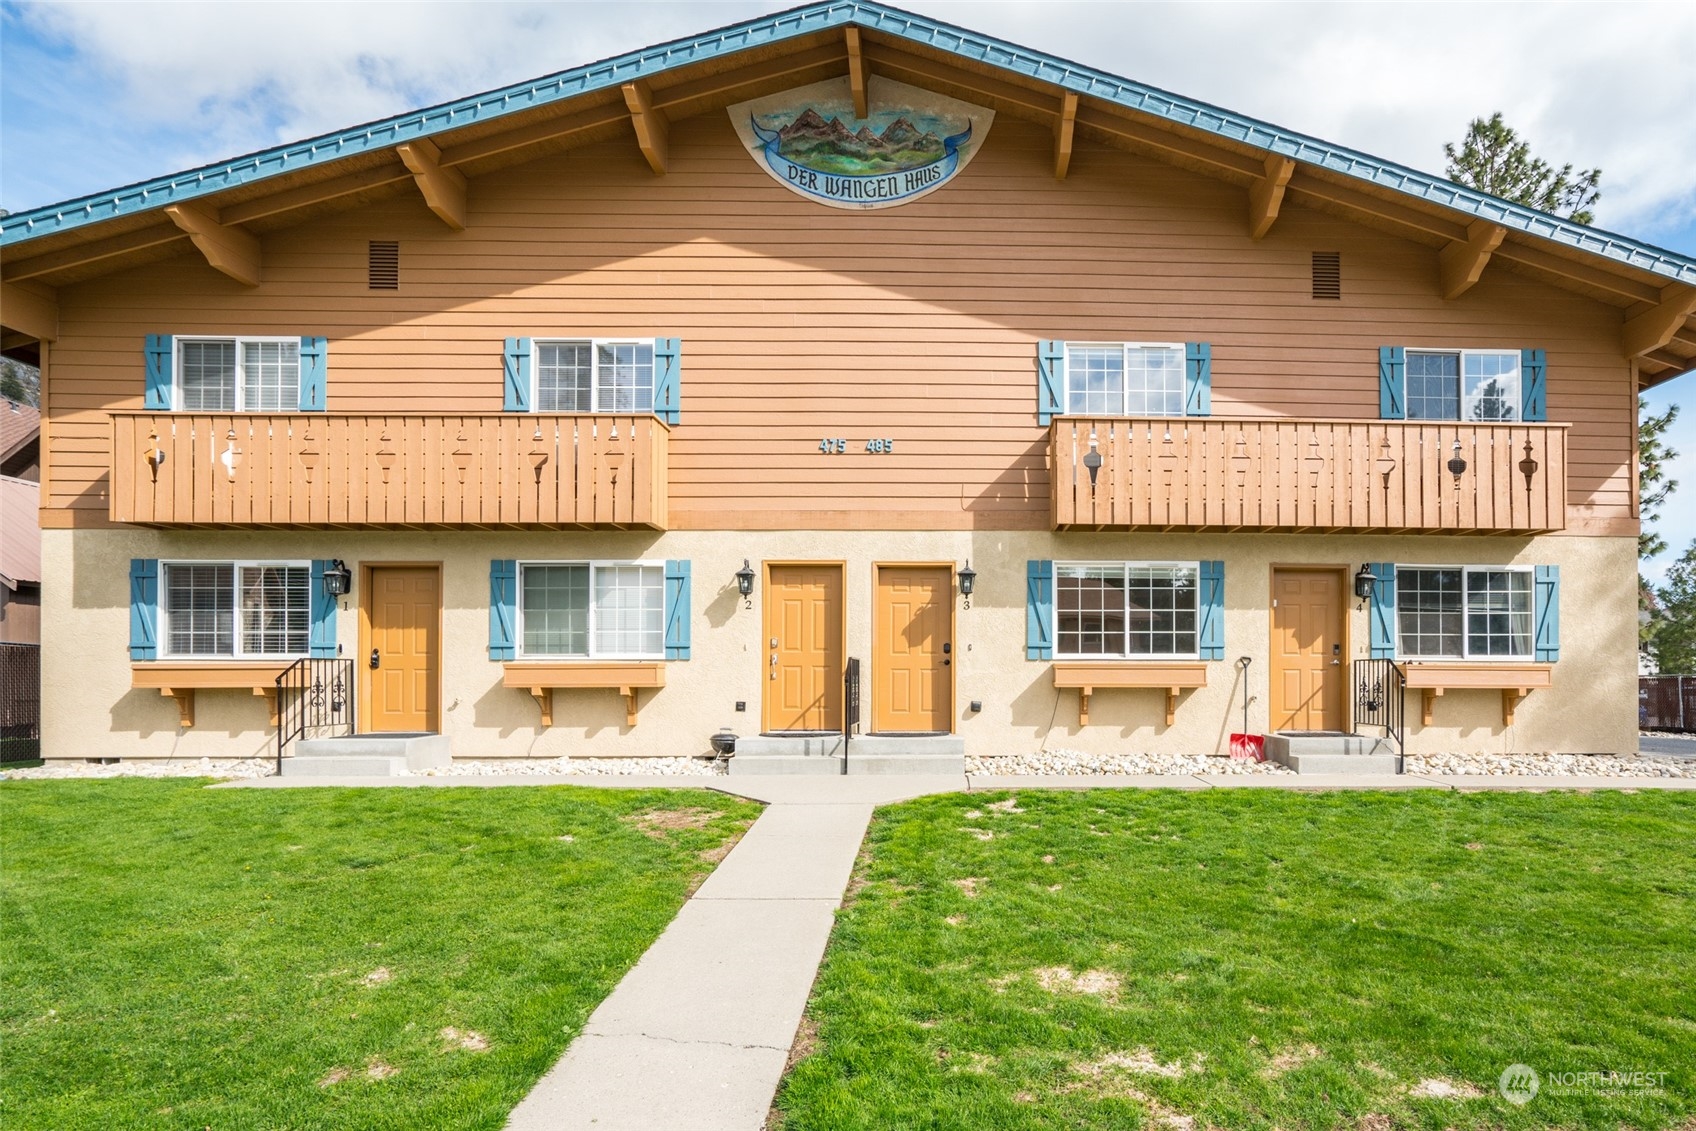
x,y
1428,612
208,376
624,377
1433,386
1089,610
1095,380
200,609
1161,610
1490,386
1498,612
270,376
564,377
1154,381
556,610
629,618
276,610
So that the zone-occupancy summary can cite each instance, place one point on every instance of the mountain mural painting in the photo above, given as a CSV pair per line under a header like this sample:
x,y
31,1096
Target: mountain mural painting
x,y
809,141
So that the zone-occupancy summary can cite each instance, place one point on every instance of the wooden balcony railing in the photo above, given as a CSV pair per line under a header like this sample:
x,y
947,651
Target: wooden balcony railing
x,y
524,470
1231,474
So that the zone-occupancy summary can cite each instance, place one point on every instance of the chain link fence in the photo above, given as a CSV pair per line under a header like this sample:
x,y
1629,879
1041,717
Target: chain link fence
x,y
20,702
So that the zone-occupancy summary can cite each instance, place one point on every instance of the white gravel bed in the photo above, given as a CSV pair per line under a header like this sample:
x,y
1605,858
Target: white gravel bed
x,y
582,767
1065,761
1547,765
1681,735
153,768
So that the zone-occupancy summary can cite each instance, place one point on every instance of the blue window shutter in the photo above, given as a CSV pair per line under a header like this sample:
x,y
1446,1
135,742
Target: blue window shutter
x,y
676,610
1392,382
668,365
144,608
516,363
503,609
1050,377
1210,624
1546,604
1198,379
1533,386
1039,610
314,360
322,643
1383,611
158,352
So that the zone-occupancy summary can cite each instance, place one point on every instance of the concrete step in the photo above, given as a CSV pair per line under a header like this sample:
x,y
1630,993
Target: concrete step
x,y
337,766
867,754
1387,765
363,755
1321,752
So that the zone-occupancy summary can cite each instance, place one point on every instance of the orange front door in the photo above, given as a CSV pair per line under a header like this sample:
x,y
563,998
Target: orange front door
x,y
911,649
803,648
406,615
1308,675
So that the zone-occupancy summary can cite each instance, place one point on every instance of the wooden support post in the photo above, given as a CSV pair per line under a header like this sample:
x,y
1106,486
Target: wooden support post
x,y
1064,129
1461,262
1266,194
269,694
859,75
1430,701
649,123
1083,705
443,188
1656,326
31,310
185,703
1511,697
629,694
1171,705
544,697
233,251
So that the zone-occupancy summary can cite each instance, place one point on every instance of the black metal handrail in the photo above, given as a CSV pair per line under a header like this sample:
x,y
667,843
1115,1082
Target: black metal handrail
x,y
314,698
1380,691
850,705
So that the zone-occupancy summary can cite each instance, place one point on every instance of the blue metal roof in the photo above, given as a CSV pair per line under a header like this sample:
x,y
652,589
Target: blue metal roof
x,y
805,20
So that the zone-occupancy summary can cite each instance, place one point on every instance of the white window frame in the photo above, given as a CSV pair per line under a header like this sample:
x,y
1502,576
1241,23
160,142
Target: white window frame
x,y
242,341
237,565
594,345
1124,348
594,565
1466,655
1517,400
1193,566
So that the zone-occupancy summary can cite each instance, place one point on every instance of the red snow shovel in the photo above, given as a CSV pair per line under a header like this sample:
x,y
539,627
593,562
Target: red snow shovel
x,y
1244,746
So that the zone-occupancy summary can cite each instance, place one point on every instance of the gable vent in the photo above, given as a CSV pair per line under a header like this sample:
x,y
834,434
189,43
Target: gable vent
x,y
383,266
1327,274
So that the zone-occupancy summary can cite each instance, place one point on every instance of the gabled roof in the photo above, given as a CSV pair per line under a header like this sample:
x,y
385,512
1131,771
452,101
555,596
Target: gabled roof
x,y
20,531
758,40
20,425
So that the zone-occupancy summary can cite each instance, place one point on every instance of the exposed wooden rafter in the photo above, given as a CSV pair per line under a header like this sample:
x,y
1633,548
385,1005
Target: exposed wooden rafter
x,y
859,74
318,192
1656,326
1266,194
233,251
1461,262
1064,127
79,255
650,125
31,310
443,188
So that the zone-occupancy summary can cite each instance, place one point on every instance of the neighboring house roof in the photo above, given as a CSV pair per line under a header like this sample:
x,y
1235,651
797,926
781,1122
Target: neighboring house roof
x,y
763,39
20,425
20,531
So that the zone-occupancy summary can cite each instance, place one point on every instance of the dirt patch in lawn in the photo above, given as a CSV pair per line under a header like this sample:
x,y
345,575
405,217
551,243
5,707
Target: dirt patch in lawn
x,y
1443,1088
969,885
377,977
1141,1062
1289,1060
467,1040
657,822
1061,980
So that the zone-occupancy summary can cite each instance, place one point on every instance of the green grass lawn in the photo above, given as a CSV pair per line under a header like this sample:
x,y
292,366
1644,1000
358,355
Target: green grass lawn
x,y
178,957
1246,959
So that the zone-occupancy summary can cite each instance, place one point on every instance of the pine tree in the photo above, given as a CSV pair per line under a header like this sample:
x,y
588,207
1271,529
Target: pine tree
x,y
1674,643
1493,159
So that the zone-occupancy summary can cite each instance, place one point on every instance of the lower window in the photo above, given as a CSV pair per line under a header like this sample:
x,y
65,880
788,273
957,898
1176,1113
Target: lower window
x,y
1462,612
1125,610
231,610
592,609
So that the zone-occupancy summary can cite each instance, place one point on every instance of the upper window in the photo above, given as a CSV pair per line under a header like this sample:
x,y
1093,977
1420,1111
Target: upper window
x,y
237,609
587,376
612,610
1125,610
1463,613
1472,385
238,374
1124,379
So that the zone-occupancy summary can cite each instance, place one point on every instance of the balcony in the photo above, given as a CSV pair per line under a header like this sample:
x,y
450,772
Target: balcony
x,y
1321,475
325,469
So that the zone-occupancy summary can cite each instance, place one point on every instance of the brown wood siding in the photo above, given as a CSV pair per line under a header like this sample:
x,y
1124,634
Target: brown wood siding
x,y
799,322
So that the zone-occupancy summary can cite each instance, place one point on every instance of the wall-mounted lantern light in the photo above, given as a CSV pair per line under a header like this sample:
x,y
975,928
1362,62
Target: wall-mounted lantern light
x,y
1364,583
745,581
338,579
968,579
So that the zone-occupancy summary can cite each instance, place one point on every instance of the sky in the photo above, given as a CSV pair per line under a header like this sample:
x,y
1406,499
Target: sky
x,y
97,95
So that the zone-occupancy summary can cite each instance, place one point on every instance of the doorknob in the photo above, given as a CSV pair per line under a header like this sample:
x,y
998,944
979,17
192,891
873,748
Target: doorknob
x,y
376,661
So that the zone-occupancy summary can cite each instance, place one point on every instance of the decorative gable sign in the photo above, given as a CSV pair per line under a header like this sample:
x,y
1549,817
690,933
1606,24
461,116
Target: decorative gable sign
x,y
809,141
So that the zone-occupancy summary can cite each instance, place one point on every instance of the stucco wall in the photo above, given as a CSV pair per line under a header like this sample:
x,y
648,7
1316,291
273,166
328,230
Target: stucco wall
x,y
90,710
